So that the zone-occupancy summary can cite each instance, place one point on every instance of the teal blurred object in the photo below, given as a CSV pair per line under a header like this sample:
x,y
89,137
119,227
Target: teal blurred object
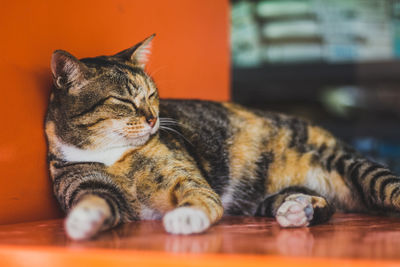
x,y
286,31
396,28
383,151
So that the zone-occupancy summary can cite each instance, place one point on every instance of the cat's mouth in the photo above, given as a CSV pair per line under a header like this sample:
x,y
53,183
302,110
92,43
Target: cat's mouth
x,y
137,138
156,126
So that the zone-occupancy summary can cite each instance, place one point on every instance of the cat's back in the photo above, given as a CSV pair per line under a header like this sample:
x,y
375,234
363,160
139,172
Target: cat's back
x,y
230,135
195,111
223,138
211,119
210,123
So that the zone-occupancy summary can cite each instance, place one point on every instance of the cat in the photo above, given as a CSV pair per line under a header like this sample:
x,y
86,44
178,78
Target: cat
x,y
117,153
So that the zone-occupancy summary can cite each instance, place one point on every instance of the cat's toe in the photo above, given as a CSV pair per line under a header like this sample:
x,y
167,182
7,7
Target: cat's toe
x,y
185,221
83,223
295,211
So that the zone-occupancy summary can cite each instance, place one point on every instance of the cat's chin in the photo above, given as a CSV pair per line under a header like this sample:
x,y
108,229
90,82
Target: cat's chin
x,y
140,140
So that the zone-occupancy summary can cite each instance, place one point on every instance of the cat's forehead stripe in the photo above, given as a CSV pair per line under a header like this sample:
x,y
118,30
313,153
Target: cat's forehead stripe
x,y
137,79
139,98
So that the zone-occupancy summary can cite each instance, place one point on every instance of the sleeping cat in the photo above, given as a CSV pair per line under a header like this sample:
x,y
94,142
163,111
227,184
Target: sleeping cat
x,y
117,153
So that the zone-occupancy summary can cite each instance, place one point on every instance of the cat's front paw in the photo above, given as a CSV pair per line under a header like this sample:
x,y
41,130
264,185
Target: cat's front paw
x,y
186,221
84,222
296,211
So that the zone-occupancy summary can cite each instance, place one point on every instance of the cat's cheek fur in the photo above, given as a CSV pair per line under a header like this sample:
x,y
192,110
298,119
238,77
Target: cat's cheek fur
x,y
186,220
87,218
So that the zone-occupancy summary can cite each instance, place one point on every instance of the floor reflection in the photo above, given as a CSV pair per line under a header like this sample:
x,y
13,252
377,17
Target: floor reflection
x,y
346,235
295,242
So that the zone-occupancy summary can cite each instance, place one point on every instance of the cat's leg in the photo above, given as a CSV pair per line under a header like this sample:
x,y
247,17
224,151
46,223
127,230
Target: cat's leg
x,y
97,208
296,207
197,207
92,201
88,217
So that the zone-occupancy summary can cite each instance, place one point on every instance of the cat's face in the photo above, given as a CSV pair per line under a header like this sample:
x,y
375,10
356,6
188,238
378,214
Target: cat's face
x,y
104,102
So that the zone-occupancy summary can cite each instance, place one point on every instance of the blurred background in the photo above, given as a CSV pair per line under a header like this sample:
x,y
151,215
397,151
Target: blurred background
x,y
335,62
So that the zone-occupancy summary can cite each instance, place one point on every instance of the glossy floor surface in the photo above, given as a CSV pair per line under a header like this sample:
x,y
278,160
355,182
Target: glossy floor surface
x,y
345,236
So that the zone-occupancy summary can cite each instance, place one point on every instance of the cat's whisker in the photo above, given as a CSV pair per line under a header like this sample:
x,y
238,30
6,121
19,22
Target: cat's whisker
x,y
169,121
175,131
167,118
172,122
181,126
176,122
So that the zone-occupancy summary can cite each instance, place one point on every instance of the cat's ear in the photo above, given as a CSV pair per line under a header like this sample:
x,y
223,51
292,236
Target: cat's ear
x,y
139,53
66,69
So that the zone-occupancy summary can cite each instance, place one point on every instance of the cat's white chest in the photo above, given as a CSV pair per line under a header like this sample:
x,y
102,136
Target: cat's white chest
x,y
107,157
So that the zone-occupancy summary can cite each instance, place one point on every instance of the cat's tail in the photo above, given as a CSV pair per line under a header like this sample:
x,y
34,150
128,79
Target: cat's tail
x,y
372,186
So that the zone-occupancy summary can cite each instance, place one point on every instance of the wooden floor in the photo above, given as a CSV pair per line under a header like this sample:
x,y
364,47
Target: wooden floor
x,y
347,239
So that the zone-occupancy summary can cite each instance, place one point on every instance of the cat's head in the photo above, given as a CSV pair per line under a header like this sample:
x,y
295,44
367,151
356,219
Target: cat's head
x,y
103,102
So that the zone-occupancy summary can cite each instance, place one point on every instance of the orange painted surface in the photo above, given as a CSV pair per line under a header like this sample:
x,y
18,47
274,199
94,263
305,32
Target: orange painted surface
x,y
346,240
190,60
43,257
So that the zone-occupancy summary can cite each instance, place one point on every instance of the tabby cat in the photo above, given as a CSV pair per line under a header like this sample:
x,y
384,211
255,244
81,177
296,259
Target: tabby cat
x,y
117,153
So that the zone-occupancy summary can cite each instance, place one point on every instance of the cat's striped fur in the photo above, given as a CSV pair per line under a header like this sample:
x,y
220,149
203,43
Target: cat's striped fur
x,y
117,154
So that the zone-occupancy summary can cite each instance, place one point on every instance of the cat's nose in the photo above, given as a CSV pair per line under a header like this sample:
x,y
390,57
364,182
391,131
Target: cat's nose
x,y
151,121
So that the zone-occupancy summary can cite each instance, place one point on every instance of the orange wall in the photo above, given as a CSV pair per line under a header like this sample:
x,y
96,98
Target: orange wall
x,y
190,60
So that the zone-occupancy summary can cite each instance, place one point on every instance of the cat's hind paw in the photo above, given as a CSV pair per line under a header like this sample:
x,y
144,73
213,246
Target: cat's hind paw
x,y
186,220
296,211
